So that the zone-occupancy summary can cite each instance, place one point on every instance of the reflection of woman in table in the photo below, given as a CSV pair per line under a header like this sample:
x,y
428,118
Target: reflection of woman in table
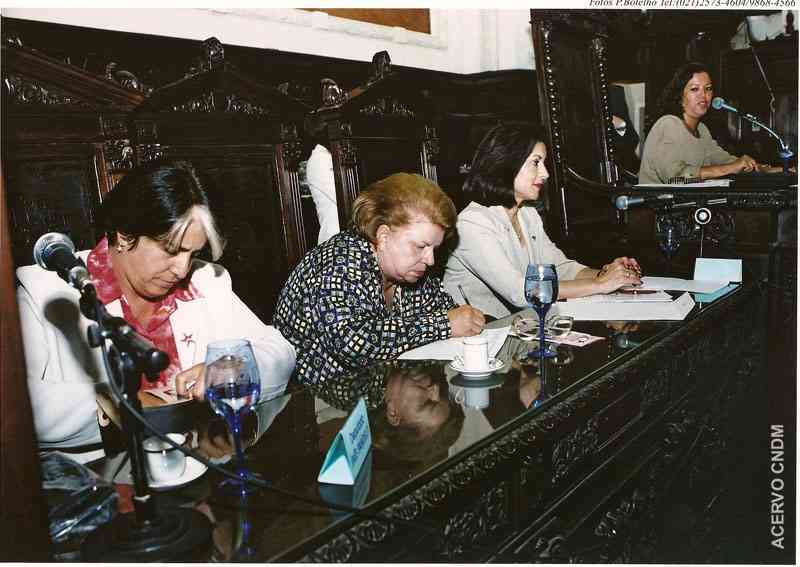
x,y
679,146
420,419
500,232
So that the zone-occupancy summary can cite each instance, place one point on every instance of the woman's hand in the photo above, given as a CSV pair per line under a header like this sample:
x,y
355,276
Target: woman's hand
x,y
625,262
191,383
744,163
465,321
621,272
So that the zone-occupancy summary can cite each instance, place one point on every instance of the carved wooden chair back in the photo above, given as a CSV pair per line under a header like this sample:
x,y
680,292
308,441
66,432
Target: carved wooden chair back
x,y
381,127
244,137
573,95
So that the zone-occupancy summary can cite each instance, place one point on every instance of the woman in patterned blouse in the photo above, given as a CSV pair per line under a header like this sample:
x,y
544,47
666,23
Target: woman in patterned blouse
x,y
364,294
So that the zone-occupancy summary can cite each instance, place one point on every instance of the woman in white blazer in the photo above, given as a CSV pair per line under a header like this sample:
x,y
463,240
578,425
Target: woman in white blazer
x,y
156,220
500,232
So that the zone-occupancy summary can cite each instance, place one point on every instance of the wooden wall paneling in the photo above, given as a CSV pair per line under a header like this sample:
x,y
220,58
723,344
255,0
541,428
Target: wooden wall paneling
x,y
23,514
742,85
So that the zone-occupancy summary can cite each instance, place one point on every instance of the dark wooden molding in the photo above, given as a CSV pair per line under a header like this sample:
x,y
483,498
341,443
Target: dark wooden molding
x,y
98,92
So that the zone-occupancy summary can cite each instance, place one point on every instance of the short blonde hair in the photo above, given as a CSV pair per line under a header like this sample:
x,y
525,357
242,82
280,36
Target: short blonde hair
x,y
393,201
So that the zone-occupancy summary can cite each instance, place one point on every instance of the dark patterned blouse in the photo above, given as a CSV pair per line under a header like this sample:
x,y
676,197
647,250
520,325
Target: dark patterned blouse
x,y
333,311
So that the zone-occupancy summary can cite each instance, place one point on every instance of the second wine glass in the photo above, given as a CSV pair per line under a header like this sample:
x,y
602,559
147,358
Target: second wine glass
x,y
541,291
233,387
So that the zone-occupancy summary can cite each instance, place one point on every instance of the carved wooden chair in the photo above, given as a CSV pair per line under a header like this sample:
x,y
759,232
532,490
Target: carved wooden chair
x,y
570,50
381,127
69,136
64,137
244,136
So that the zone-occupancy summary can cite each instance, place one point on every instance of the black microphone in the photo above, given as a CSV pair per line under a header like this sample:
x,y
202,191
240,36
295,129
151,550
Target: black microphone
x,y
624,202
718,103
55,252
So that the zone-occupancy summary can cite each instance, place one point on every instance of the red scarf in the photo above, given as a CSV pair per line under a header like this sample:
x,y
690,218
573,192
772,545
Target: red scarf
x,y
158,330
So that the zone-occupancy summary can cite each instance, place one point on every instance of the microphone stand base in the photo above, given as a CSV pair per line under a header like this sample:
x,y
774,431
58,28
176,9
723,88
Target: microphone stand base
x,y
178,534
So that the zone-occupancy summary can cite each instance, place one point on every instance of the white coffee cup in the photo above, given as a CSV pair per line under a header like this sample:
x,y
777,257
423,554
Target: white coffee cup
x,y
164,462
474,398
476,353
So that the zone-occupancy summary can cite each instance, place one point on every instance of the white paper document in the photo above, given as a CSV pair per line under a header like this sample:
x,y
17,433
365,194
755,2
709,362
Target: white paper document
x,y
628,310
621,297
654,283
449,348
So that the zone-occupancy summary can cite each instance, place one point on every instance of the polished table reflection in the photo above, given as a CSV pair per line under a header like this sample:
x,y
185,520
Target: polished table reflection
x,y
469,465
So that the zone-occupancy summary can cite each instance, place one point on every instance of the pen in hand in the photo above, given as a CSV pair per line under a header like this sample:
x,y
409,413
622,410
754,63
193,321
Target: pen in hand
x,y
464,295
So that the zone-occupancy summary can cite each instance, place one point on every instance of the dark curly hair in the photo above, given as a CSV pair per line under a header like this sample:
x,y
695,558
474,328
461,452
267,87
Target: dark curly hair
x,y
498,159
670,101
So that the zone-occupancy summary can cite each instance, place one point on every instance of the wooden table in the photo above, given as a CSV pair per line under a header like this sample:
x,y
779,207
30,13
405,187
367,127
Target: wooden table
x,y
587,459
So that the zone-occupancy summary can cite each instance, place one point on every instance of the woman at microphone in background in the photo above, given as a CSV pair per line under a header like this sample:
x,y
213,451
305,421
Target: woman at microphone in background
x,y
144,269
500,232
679,145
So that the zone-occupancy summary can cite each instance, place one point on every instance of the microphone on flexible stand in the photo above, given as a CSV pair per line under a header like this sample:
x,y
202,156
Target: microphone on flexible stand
x,y
145,534
784,152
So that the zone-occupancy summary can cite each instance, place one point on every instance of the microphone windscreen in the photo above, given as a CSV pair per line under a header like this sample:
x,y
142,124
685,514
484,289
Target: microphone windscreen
x,y
47,244
717,102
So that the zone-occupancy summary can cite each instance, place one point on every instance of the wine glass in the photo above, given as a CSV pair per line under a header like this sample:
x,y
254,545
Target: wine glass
x,y
541,291
233,387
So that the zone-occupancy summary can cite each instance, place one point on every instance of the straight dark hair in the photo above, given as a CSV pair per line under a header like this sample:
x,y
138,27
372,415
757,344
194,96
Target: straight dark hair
x,y
497,161
158,200
671,99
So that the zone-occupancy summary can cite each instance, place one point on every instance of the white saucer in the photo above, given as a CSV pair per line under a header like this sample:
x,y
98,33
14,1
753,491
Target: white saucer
x,y
194,470
495,364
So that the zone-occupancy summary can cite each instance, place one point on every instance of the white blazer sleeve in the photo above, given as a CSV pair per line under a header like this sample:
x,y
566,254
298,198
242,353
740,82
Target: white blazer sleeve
x,y
65,410
274,354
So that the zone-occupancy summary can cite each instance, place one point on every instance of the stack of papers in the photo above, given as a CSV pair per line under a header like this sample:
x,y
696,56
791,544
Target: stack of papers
x,y
621,297
638,310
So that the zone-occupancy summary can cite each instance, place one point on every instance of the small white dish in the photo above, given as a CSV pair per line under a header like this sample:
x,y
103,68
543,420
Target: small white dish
x,y
194,470
495,364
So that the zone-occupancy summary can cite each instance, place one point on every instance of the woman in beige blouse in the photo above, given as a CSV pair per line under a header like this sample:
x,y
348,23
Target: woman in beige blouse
x,y
679,145
500,232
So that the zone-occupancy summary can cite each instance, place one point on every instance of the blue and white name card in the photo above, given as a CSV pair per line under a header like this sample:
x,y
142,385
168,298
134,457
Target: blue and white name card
x,y
349,449
718,270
